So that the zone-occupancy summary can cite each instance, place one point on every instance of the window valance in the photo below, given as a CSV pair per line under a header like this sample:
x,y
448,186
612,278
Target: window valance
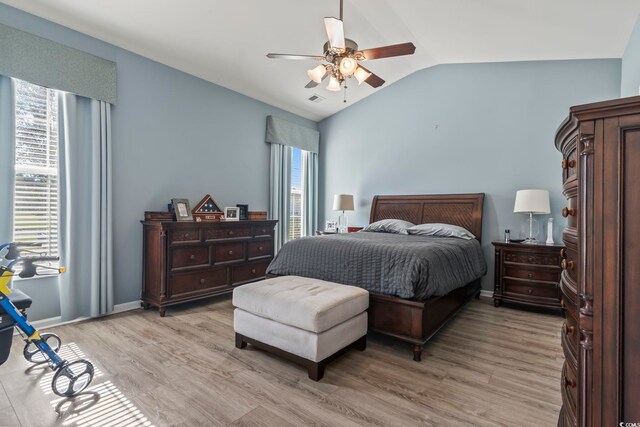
x,y
50,64
280,131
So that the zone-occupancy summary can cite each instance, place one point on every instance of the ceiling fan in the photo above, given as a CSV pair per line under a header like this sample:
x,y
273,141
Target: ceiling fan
x,y
343,58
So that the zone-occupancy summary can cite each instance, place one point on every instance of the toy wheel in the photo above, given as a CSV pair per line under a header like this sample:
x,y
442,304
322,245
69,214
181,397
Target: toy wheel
x,y
71,378
33,354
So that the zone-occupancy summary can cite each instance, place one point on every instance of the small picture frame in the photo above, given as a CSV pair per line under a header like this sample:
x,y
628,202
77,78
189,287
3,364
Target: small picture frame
x,y
244,212
331,226
232,213
182,210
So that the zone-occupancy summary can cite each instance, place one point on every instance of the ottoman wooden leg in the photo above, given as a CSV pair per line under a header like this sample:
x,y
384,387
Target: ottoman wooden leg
x,y
316,370
240,342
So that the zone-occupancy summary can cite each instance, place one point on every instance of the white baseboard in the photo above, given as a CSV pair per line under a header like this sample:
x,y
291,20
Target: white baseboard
x,y
57,321
486,294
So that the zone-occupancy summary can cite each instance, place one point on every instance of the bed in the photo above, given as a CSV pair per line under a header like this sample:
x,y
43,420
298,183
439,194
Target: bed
x,y
394,268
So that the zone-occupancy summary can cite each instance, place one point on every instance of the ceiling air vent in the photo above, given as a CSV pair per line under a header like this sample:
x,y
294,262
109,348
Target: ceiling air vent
x,y
316,98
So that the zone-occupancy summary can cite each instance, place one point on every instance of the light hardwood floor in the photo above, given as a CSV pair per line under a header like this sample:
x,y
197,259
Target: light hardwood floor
x,y
488,367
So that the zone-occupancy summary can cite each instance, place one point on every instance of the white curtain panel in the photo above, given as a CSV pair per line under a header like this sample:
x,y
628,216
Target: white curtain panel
x,y
85,207
7,156
280,191
310,202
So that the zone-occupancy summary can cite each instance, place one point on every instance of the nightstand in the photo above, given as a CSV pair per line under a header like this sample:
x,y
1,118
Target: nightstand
x,y
527,274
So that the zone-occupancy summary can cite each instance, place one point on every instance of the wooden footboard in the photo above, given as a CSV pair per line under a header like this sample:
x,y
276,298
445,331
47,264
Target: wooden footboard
x,y
417,321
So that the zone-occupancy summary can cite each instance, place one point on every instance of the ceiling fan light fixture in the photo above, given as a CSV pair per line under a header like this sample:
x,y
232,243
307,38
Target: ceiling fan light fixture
x,y
334,84
348,66
316,74
361,75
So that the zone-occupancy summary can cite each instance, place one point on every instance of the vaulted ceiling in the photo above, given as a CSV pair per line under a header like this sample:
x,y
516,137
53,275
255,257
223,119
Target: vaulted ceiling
x,y
225,42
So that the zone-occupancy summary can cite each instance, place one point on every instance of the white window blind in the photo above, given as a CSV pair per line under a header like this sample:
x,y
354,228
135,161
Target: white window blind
x,y
35,213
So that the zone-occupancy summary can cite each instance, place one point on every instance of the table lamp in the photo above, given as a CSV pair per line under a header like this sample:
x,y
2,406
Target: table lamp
x,y
532,202
343,202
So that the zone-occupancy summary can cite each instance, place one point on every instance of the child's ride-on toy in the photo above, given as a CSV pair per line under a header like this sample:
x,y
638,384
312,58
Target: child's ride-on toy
x,y
70,378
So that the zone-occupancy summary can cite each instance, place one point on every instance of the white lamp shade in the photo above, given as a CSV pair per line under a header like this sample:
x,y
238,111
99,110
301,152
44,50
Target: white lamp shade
x,y
532,201
348,66
317,73
334,84
343,202
361,75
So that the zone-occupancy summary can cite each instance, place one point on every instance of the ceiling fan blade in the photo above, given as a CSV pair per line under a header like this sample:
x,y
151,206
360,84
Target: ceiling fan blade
x,y
373,80
335,32
389,51
293,56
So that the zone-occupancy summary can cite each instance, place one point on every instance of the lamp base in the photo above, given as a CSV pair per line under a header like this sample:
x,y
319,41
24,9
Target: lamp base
x,y
343,223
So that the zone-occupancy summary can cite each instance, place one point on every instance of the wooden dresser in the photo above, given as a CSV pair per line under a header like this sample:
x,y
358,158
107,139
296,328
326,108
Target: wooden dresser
x,y
527,274
600,145
185,261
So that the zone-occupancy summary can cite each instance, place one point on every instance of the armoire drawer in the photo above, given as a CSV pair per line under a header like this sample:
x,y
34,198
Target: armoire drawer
x,y
530,289
544,274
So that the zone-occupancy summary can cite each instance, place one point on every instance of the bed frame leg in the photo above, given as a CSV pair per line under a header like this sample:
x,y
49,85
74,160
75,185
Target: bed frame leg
x,y
417,352
478,295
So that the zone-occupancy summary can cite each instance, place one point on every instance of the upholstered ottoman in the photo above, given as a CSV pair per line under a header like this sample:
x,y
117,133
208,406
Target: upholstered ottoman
x,y
308,321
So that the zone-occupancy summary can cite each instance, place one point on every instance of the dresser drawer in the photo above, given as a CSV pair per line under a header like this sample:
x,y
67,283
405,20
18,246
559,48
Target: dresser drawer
x,y
259,249
248,272
544,274
184,284
227,233
514,287
189,256
262,230
228,252
184,235
521,257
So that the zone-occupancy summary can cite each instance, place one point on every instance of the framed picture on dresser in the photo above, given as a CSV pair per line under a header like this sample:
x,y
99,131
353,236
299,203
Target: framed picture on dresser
x,y
232,213
182,209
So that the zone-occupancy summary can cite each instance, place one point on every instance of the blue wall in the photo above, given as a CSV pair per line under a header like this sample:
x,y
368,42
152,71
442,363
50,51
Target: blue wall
x,y
461,128
630,76
174,135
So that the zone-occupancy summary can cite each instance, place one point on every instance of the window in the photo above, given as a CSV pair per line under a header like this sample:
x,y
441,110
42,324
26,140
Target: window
x,y
295,204
35,209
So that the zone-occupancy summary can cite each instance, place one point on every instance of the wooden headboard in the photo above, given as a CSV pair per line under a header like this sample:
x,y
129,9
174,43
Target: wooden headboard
x,y
464,210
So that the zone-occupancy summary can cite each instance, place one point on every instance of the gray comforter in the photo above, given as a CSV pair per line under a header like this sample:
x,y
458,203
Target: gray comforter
x,y
412,267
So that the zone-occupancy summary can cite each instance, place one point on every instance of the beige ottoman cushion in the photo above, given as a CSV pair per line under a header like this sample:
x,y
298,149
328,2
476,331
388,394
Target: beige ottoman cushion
x,y
310,304
310,345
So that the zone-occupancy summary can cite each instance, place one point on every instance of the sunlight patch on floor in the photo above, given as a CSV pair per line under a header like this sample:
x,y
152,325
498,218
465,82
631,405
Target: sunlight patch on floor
x,y
68,352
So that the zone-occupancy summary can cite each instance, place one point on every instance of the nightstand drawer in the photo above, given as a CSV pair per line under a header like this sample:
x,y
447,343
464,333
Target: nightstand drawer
x,y
535,258
544,274
530,289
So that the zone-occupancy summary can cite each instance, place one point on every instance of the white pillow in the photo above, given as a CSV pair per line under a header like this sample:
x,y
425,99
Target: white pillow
x,y
396,226
441,230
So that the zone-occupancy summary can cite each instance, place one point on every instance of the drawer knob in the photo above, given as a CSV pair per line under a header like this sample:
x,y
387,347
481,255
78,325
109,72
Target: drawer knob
x,y
230,252
568,330
192,257
202,281
530,290
563,253
569,382
529,275
566,265
253,271
568,211
565,164
562,304
231,233
260,248
572,163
